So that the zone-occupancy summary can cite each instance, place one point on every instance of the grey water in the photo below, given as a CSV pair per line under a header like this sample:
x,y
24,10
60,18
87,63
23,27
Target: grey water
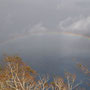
x,y
52,54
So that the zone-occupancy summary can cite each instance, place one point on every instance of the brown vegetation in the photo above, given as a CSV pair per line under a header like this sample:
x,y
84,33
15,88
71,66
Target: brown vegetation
x,y
16,75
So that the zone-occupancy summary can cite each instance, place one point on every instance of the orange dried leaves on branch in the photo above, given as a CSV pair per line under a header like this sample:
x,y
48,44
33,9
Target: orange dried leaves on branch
x,y
16,74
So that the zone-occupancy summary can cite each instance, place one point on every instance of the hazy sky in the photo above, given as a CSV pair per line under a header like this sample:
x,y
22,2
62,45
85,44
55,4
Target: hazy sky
x,y
20,18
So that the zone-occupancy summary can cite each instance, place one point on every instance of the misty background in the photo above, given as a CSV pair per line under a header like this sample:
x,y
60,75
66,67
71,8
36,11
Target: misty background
x,y
46,52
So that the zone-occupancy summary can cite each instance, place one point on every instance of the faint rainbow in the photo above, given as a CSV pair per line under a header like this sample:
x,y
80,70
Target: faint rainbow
x,y
21,36
73,34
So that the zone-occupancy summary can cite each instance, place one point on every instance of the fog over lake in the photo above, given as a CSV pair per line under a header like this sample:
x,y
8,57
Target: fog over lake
x,y
49,53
